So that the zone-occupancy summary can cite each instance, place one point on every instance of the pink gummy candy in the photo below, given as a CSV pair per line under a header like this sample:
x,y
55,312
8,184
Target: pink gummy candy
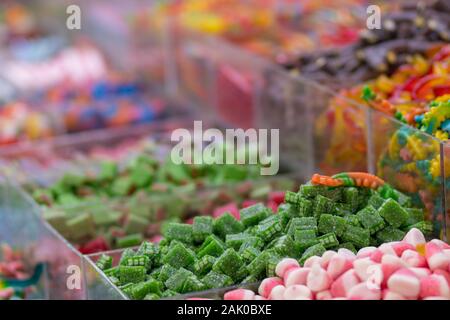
x,y
436,257
362,292
338,265
297,291
324,295
267,285
401,247
414,237
318,279
326,257
284,265
434,285
361,268
365,252
390,295
405,283
239,294
277,293
296,276
312,261
413,259
376,256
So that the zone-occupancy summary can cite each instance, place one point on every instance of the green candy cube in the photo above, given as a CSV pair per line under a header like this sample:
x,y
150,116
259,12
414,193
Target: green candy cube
x,y
309,191
235,241
268,230
177,280
227,224
140,290
137,260
272,263
136,224
292,198
129,240
352,220
357,236
228,263
302,223
178,231
328,240
249,279
152,296
192,284
81,226
389,234
166,272
315,250
112,272
126,254
202,227
132,274
376,200
425,226
108,170
127,288
249,253
393,213
168,293
305,239
212,246
342,209
252,215
323,205
204,265
258,265
215,280
414,216
330,223
252,241
305,208
370,219
104,262
284,246
351,197
148,249
179,256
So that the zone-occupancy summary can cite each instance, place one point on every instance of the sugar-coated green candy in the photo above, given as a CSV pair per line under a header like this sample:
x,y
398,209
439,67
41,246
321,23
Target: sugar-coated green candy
x,y
114,280
415,215
136,224
104,262
204,265
376,200
112,272
141,175
248,254
323,205
202,227
129,240
351,197
342,209
309,191
286,212
330,223
305,239
121,186
192,284
228,263
252,215
352,220
302,223
179,256
315,250
128,252
137,260
236,240
140,290
393,213
328,240
168,293
389,234
166,272
284,246
215,280
370,219
152,296
425,226
127,288
292,198
252,241
176,281
227,224
241,274
178,231
132,274
357,236
305,208
272,263
148,249
258,265
155,273
268,229
212,246
250,279
106,218
402,199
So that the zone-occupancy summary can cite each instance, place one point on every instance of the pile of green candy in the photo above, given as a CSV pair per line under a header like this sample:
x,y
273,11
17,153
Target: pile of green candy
x,y
215,253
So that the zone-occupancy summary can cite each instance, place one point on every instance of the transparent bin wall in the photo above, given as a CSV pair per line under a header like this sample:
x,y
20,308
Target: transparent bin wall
x,y
445,173
23,229
409,160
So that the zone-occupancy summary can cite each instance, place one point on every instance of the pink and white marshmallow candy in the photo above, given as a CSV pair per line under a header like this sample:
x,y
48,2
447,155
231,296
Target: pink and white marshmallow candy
x,y
266,286
239,294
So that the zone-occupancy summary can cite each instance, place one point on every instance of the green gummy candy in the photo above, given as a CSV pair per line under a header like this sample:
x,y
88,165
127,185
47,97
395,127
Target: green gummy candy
x,y
425,226
249,253
148,249
414,216
315,250
104,262
81,226
168,293
305,239
212,246
249,279
192,284
129,252
284,246
323,205
132,274
376,200
215,280
330,223
204,265
269,229
393,213
236,240
227,224
328,240
108,170
357,236
179,256
140,290
271,265
252,241
352,220
302,223
228,263
258,265
389,234
252,215
137,260
351,197
121,186
292,198
129,241
202,227
178,231
342,209
370,219
305,207
152,296
166,272
176,281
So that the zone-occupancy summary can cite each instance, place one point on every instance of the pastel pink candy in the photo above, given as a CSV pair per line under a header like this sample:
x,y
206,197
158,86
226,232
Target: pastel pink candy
x,y
401,247
239,294
346,253
376,256
362,292
414,237
390,295
258,297
297,291
361,267
326,257
285,265
420,272
365,252
387,249
436,298
340,298
388,268
342,285
267,285
443,245
436,257
405,283
231,208
443,273
324,295
413,259
318,279
338,265
312,261
296,276
434,285
277,293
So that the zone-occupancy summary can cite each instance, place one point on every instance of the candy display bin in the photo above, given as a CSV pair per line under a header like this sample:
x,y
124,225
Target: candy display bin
x,y
445,173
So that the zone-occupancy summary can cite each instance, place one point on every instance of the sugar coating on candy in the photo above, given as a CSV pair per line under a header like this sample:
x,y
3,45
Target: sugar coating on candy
x,y
329,223
305,239
177,280
178,256
104,262
227,224
216,280
201,228
178,231
357,236
254,214
389,234
204,265
393,213
370,219
328,240
228,263
323,205
132,274
315,250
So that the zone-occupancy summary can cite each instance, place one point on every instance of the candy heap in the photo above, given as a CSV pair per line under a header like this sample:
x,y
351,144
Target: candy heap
x,y
410,269
246,247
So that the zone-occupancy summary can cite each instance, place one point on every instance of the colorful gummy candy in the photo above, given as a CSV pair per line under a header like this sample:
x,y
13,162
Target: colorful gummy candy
x,y
214,253
410,269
